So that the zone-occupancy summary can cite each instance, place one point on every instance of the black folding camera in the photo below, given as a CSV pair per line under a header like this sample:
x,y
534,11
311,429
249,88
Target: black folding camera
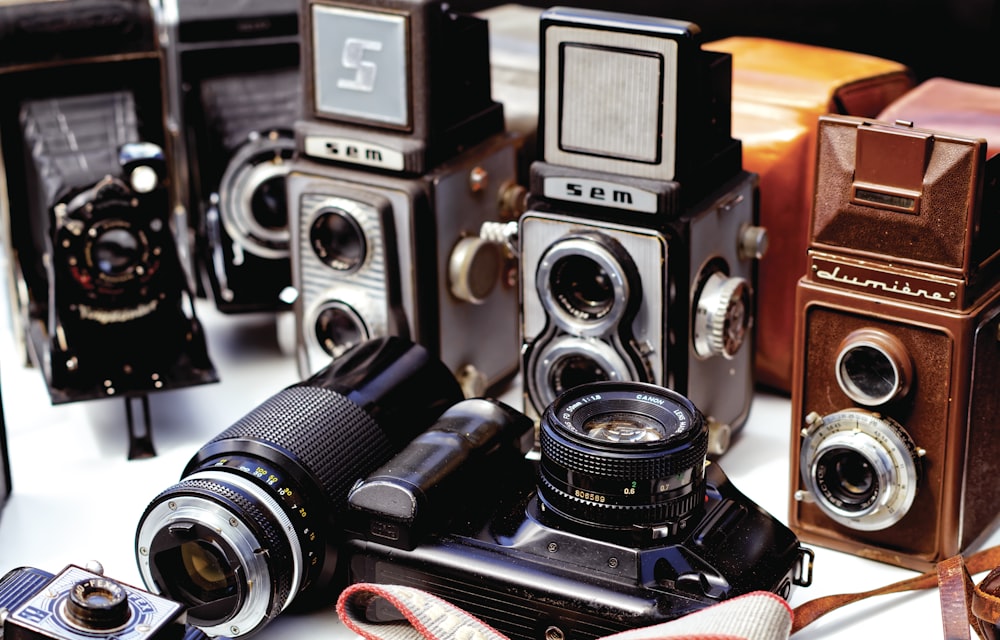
x,y
639,248
623,525
81,603
100,289
234,94
396,196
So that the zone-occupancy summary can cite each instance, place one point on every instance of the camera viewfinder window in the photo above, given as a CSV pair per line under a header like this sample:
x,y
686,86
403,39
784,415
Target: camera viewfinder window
x,y
615,109
360,63
610,101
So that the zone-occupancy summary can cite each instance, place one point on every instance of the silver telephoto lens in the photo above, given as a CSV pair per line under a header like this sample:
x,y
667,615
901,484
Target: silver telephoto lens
x,y
623,455
253,523
861,468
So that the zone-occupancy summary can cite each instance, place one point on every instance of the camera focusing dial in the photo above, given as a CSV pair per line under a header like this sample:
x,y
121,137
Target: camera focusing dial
x,y
723,314
861,468
620,455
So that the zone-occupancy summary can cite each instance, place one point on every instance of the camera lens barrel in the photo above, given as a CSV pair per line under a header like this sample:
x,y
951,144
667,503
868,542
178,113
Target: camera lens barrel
x,y
621,455
253,521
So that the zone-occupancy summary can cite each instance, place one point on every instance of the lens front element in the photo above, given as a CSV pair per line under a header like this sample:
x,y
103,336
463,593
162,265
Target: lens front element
x,y
621,455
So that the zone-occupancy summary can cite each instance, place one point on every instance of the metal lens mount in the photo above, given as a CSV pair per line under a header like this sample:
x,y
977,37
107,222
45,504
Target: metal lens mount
x,y
586,282
620,455
861,468
252,202
873,367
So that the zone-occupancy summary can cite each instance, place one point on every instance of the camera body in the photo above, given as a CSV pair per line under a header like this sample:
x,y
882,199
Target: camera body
x,y
570,548
639,248
234,93
100,293
81,603
396,196
896,345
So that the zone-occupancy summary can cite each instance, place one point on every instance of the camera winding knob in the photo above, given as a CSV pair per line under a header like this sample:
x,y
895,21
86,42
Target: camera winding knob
x,y
722,316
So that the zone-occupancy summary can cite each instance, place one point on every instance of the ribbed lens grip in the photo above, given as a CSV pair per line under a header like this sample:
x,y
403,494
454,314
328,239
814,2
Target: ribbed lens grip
x,y
321,429
573,456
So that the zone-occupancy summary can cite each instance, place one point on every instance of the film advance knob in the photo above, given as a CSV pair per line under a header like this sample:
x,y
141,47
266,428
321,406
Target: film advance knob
x,y
722,318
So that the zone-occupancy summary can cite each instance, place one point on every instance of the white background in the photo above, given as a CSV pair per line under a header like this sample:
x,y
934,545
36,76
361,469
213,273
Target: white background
x,y
76,497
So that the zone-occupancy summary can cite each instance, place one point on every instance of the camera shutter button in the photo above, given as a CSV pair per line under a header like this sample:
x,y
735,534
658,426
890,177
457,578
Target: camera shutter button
x,y
722,316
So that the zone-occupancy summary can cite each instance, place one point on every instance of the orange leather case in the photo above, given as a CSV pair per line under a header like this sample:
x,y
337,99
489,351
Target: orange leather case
x,y
779,91
951,106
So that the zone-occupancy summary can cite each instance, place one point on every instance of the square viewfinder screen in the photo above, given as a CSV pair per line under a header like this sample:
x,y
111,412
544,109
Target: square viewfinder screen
x,y
360,65
611,102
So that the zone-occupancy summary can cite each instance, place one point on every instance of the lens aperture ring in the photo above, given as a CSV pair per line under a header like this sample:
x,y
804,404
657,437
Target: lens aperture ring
x,y
596,508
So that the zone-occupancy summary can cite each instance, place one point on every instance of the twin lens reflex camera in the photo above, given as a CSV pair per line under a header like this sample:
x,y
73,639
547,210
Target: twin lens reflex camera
x,y
639,248
97,284
399,218
234,94
896,348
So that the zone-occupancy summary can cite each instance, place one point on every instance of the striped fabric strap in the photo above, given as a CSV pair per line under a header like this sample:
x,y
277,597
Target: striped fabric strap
x,y
755,616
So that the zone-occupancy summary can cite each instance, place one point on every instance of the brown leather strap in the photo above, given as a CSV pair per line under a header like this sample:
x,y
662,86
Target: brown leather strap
x,y
986,604
955,592
809,612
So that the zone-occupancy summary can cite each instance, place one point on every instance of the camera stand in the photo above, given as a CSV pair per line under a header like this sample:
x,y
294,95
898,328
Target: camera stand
x,y
140,441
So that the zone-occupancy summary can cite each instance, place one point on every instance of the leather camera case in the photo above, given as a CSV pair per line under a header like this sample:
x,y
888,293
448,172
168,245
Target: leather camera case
x,y
779,91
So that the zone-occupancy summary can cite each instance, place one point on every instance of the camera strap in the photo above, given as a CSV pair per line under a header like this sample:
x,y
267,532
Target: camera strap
x,y
759,615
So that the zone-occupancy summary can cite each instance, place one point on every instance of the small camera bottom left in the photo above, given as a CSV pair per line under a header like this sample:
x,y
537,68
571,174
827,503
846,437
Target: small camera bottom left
x,y
82,603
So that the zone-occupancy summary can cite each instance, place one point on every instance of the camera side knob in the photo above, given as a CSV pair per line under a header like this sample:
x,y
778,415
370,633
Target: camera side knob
x,y
722,316
476,262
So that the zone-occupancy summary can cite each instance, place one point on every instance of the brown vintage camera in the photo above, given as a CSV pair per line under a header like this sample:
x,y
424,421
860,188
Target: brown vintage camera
x,y
894,451
779,91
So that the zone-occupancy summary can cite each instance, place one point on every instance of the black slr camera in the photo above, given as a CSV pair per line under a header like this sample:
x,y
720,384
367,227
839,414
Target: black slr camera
x,y
234,92
81,603
640,245
100,290
623,525
396,197
255,523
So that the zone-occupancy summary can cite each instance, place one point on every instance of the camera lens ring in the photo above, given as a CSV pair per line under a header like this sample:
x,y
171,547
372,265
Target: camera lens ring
x,y
837,447
338,239
258,163
349,314
581,262
547,361
108,612
620,484
244,519
873,367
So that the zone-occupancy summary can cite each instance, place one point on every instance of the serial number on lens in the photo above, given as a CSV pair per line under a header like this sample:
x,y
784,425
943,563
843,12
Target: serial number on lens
x,y
593,497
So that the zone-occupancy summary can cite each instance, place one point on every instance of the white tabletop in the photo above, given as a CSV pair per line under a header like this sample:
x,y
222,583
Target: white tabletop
x,y
76,497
